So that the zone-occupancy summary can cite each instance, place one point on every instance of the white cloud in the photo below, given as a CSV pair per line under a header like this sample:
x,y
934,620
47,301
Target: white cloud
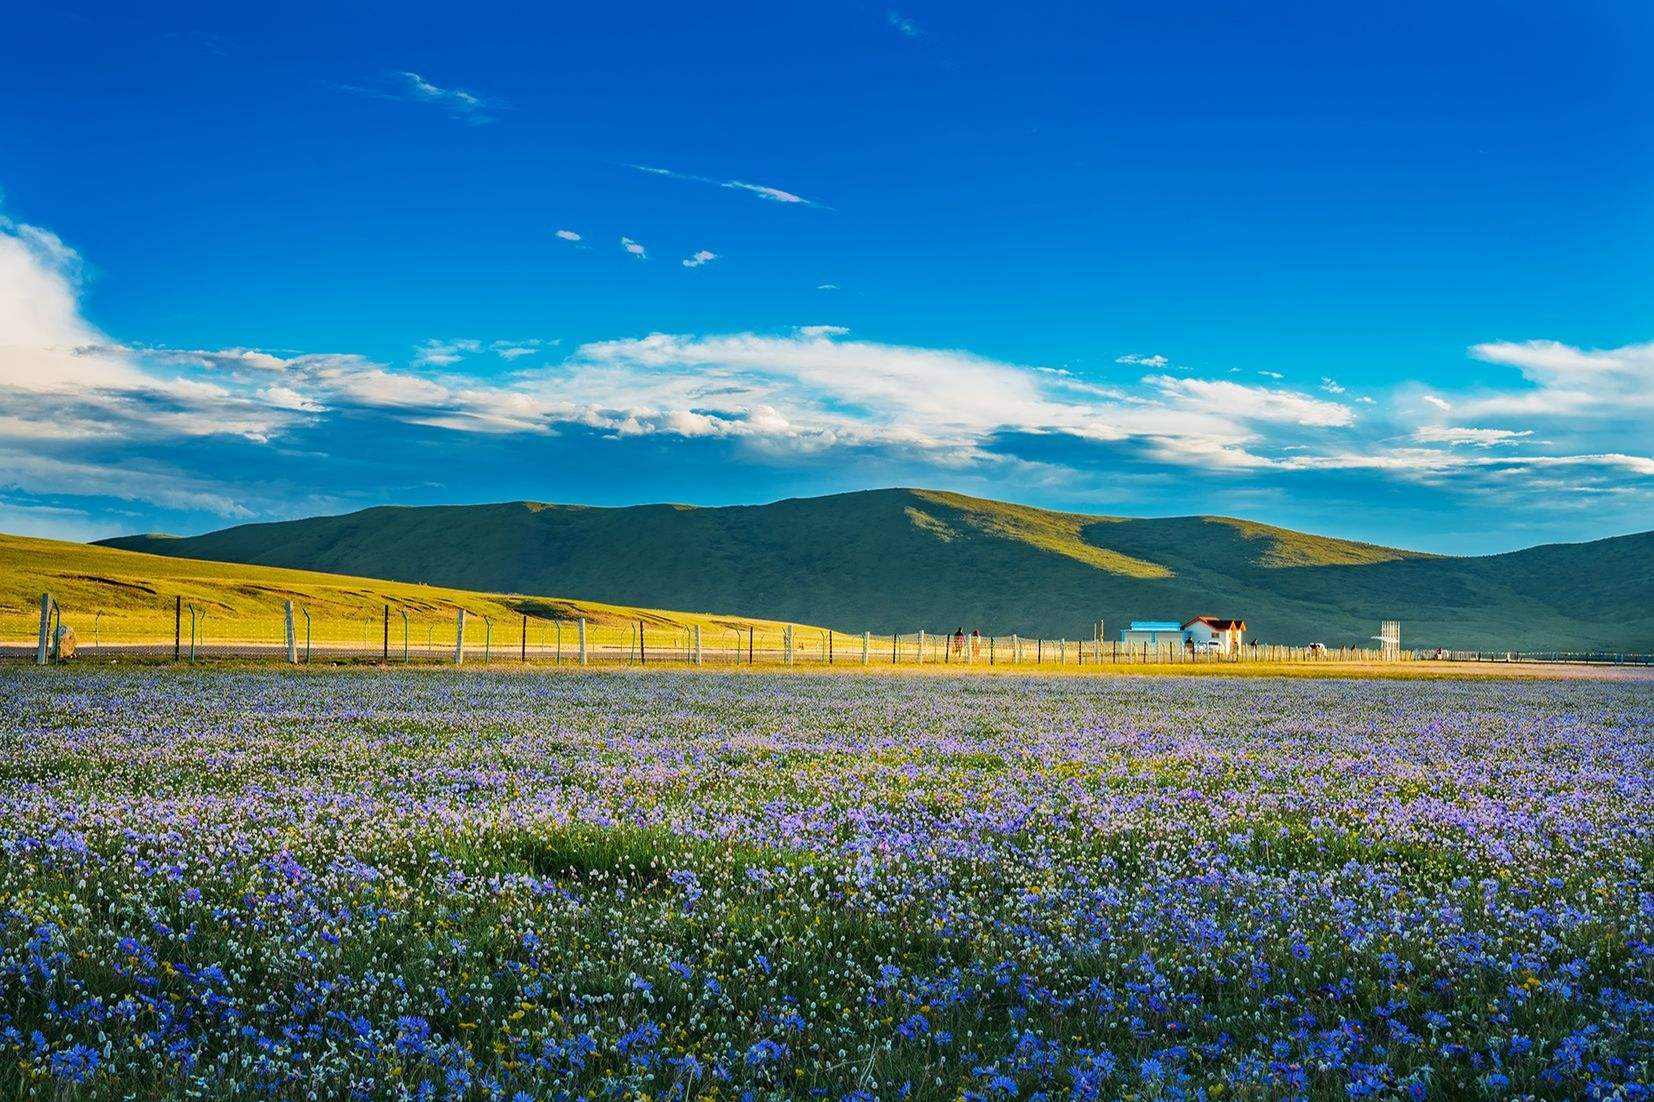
x,y
414,88
1481,438
1440,403
774,194
467,105
1330,385
1142,361
903,24
634,248
435,353
1267,405
568,235
514,350
763,191
701,257
283,397
826,286
1571,381
1272,375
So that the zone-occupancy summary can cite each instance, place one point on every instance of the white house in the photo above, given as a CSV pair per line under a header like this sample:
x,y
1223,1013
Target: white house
x,y
1214,634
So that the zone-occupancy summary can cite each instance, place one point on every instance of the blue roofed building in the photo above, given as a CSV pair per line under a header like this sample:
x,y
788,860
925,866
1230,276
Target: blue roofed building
x,y
1153,632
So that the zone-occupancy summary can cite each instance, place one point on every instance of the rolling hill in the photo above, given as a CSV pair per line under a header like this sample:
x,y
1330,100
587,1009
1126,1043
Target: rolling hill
x,y
132,596
903,559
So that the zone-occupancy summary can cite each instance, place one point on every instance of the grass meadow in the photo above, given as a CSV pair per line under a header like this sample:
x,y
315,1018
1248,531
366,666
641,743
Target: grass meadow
x,y
427,884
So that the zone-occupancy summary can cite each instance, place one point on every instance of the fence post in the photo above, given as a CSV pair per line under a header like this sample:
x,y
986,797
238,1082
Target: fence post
x,y
582,640
292,640
642,654
866,646
697,644
789,635
45,628
385,644
1062,651
404,613
487,640
1016,649
525,638
921,646
459,638
177,626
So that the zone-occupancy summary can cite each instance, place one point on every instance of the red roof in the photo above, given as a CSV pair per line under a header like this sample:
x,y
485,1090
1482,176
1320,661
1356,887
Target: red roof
x,y
1216,624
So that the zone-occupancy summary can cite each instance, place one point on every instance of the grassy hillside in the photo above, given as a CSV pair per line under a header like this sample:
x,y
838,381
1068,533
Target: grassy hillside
x,y
898,560
133,596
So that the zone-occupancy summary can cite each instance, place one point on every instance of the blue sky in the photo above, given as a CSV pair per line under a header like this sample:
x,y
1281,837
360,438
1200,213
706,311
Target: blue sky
x,y
1383,273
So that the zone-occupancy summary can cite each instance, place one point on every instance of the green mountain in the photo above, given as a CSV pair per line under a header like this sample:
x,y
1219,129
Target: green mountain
x,y
901,560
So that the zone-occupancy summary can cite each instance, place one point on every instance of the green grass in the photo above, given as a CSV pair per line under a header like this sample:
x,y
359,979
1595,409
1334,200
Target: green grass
x,y
901,560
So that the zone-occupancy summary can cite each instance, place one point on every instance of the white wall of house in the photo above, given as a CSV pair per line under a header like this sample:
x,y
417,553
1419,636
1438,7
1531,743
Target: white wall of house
x,y
1172,637
1203,634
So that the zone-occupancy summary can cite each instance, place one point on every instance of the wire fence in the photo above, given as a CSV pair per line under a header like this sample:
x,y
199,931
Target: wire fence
x,y
187,631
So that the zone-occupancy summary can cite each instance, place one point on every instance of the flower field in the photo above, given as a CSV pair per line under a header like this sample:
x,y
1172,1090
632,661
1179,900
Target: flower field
x,y
447,885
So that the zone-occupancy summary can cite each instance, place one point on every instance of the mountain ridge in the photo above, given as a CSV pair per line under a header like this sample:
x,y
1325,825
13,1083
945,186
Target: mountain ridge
x,y
903,558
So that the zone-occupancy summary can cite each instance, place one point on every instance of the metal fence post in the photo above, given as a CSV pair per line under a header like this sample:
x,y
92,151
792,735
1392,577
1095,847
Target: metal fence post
x,y
287,626
697,644
866,646
45,628
404,613
385,647
487,640
642,653
582,640
177,626
789,638
921,646
525,638
306,612
459,638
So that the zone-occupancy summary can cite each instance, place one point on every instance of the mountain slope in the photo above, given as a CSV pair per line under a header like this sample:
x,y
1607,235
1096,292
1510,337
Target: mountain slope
x,y
134,593
900,559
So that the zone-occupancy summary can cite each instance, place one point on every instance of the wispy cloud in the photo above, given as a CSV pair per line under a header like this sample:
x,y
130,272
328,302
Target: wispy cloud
x,y
1331,385
702,257
568,235
516,350
826,286
773,194
1481,438
902,24
1142,361
1440,403
634,248
435,353
411,87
